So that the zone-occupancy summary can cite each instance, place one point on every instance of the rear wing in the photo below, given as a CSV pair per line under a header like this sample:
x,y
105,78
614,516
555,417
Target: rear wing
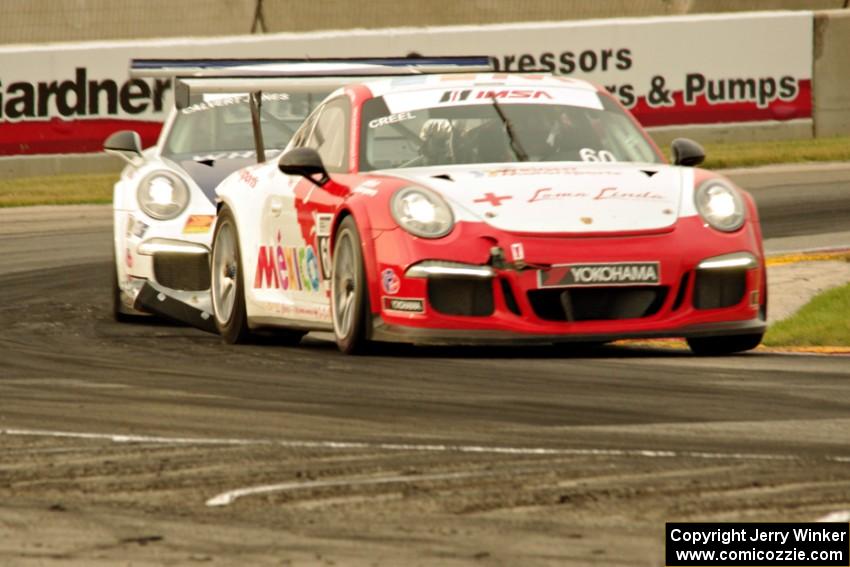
x,y
253,76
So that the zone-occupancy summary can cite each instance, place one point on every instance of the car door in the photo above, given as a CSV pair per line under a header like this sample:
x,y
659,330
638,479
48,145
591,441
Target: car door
x,y
297,220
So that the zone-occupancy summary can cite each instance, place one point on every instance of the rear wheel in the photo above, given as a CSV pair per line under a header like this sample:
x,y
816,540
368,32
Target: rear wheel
x,y
227,284
710,346
349,297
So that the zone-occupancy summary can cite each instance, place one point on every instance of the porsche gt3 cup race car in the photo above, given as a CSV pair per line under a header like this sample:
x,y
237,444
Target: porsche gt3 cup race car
x,y
485,208
163,201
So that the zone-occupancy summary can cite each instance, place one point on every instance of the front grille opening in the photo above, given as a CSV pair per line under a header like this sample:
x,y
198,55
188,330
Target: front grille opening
x,y
455,296
187,272
683,289
510,298
598,303
714,289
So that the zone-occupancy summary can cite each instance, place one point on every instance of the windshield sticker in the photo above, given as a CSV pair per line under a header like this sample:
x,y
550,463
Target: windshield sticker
x,y
391,119
591,155
217,101
421,100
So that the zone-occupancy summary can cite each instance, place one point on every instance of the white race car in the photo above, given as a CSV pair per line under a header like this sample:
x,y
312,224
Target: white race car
x,y
163,202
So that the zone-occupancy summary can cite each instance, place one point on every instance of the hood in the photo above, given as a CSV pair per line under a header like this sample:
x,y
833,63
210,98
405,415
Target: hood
x,y
560,197
208,171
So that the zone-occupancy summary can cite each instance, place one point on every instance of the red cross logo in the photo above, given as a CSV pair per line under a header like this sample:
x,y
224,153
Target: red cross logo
x,y
492,199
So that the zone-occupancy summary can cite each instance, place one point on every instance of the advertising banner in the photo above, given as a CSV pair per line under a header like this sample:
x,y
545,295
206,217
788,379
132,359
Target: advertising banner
x,y
669,71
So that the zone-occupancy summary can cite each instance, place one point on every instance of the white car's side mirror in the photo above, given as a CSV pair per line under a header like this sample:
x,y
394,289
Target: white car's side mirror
x,y
125,144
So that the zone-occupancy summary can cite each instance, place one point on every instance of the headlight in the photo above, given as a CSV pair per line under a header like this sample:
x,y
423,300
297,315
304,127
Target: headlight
x,y
422,212
163,195
720,205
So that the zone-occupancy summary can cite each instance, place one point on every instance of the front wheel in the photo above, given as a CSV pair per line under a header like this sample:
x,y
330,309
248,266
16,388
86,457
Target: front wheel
x,y
349,297
227,284
712,346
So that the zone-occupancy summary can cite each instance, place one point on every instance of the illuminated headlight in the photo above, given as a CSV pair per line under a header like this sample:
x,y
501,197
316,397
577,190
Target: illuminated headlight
x,y
720,206
163,195
421,212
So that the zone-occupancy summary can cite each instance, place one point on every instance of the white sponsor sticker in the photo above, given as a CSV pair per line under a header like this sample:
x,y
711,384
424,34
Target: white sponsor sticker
x,y
503,94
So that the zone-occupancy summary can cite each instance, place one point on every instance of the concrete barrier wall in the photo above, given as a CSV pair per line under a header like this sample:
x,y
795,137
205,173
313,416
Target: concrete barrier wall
x,y
831,73
36,21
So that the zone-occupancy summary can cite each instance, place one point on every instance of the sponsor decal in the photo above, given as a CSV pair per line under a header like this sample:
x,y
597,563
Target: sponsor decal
x,y
248,178
368,188
548,194
493,199
218,101
298,311
517,251
554,170
606,193
390,281
81,96
624,273
292,268
405,305
242,154
502,94
618,194
136,227
391,119
324,222
198,224
455,96
567,62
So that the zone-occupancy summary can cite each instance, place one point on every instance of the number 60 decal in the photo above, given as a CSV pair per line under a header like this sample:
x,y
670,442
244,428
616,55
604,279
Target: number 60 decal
x,y
589,154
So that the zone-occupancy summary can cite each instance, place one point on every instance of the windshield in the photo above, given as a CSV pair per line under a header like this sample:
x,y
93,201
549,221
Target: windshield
x,y
222,123
503,124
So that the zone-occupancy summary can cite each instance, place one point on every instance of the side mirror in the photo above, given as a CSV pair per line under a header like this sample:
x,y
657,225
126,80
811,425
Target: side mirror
x,y
305,162
125,144
687,152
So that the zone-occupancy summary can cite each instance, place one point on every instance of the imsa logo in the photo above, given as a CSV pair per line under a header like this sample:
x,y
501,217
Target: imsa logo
x,y
577,275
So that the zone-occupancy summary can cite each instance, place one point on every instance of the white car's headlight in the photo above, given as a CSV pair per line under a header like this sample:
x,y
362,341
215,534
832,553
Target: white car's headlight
x,y
720,205
163,195
422,212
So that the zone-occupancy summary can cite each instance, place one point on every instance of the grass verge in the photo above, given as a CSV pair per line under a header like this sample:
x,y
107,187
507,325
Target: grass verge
x,y
824,321
786,151
57,190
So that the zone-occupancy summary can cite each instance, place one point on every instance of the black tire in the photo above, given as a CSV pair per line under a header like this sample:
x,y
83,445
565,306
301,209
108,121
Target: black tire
x,y
713,346
349,295
226,270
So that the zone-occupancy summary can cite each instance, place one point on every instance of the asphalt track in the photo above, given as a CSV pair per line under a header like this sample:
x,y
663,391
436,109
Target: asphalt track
x,y
118,438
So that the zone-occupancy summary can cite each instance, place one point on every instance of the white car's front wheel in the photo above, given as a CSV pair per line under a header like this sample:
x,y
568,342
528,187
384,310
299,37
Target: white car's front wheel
x,y
227,285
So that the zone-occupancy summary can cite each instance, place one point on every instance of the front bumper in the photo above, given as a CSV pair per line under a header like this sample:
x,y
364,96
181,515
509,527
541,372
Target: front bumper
x,y
510,307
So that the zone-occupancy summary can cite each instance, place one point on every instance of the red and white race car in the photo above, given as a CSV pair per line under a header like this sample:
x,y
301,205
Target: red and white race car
x,y
485,208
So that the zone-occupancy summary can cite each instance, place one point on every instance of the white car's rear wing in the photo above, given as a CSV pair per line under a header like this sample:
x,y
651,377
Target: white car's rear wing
x,y
253,76
357,67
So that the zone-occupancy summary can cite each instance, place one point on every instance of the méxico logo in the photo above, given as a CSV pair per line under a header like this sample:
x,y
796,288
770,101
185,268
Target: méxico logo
x,y
293,268
576,275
